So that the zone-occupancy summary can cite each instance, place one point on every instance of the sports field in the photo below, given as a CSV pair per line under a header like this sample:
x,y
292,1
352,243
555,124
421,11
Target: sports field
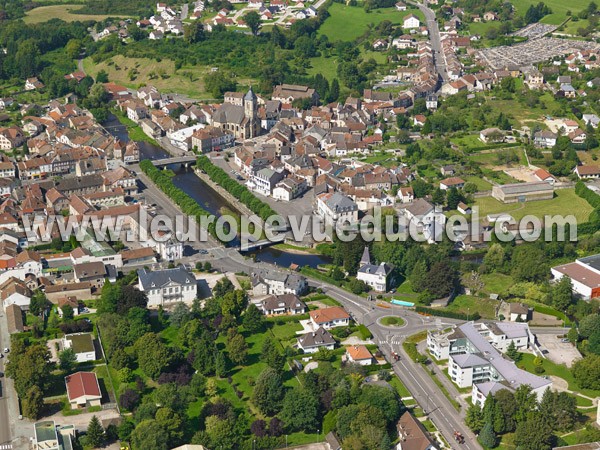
x,y
62,12
564,200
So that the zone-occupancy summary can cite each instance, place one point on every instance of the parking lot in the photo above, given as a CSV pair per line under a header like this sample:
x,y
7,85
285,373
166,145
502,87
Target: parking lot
x,y
558,352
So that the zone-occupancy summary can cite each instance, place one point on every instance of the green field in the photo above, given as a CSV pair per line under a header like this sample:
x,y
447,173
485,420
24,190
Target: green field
x,y
62,12
564,200
346,23
468,304
188,80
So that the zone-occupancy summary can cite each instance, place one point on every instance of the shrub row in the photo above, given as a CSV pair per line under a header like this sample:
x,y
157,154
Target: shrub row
x,y
164,182
239,191
446,313
594,200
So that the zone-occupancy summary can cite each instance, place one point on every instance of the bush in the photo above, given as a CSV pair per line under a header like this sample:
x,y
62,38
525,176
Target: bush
x,y
446,313
364,332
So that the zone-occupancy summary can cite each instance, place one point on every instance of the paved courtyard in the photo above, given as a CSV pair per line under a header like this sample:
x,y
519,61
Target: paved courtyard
x,y
558,352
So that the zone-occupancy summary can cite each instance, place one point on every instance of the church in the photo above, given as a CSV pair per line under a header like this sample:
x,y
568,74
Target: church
x,y
239,117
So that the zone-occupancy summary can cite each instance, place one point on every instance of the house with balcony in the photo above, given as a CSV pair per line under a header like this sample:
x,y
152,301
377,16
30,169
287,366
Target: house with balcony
x,y
167,286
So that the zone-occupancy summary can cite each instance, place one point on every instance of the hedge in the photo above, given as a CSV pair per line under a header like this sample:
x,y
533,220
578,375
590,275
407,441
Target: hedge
x,y
365,334
446,313
593,199
164,182
239,191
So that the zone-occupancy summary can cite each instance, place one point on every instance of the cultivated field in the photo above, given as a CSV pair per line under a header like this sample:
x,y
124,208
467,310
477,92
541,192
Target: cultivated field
x,y
346,23
564,200
62,12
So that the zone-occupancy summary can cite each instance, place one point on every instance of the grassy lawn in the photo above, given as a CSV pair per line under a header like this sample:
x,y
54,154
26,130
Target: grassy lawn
x,y
468,304
397,384
558,370
559,8
392,321
133,129
188,80
481,184
564,200
496,282
346,23
62,12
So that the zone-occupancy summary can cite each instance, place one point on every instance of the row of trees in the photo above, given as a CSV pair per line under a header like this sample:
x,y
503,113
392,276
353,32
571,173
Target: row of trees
x,y
533,423
239,191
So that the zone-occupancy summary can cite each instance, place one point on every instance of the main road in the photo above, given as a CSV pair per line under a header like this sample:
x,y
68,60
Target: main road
x,y
434,38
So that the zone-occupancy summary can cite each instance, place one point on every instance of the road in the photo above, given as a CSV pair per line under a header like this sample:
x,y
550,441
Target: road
x,y
434,38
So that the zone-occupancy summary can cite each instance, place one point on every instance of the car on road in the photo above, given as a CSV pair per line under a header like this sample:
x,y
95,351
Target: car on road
x,y
203,252
565,340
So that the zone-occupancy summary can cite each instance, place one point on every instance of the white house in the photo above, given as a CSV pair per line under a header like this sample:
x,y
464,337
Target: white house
x,y
411,21
359,354
332,317
313,341
584,274
336,207
374,276
167,286
270,282
82,345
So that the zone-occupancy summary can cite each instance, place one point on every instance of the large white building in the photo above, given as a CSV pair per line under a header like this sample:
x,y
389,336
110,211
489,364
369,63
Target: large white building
x,y
374,276
336,207
584,274
473,351
167,286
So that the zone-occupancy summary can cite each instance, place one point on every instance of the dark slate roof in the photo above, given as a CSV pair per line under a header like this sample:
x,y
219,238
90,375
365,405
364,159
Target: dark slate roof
x,y
159,278
318,338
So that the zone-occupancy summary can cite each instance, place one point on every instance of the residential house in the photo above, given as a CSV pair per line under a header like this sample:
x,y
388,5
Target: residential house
x,y
587,171
313,341
287,93
287,304
544,139
327,318
452,182
92,272
412,435
359,354
83,390
82,345
210,139
411,22
374,276
270,282
336,207
167,286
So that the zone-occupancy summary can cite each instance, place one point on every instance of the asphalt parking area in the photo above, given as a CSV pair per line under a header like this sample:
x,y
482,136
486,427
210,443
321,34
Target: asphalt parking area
x,y
558,352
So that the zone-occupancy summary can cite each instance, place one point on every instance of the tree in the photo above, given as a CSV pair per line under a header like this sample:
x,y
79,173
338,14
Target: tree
x,y
562,294
222,287
95,433
441,279
587,371
129,399
438,197
67,312
193,32
150,435
535,433
67,359
268,392
252,19
131,297
253,319
237,349
73,48
271,356
529,263
474,418
217,83
38,303
589,325
358,286
153,356
300,410
179,315
494,258
454,198
102,76
29,367
512,352
487,437
33,403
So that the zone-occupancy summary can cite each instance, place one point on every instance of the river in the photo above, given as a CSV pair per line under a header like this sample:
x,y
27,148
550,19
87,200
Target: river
x,y
186,180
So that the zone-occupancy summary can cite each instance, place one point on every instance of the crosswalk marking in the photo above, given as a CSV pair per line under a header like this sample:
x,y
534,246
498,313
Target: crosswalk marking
x,y
6,446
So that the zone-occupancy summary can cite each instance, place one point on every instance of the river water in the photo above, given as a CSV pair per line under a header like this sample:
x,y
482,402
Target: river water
x,y
211,201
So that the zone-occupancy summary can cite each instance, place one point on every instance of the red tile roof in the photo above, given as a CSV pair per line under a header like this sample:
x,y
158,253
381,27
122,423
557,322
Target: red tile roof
x,y
82,383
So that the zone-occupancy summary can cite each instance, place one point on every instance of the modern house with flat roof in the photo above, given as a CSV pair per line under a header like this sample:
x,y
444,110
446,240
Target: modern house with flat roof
x,y
82,344
474,358
49,436
584,274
